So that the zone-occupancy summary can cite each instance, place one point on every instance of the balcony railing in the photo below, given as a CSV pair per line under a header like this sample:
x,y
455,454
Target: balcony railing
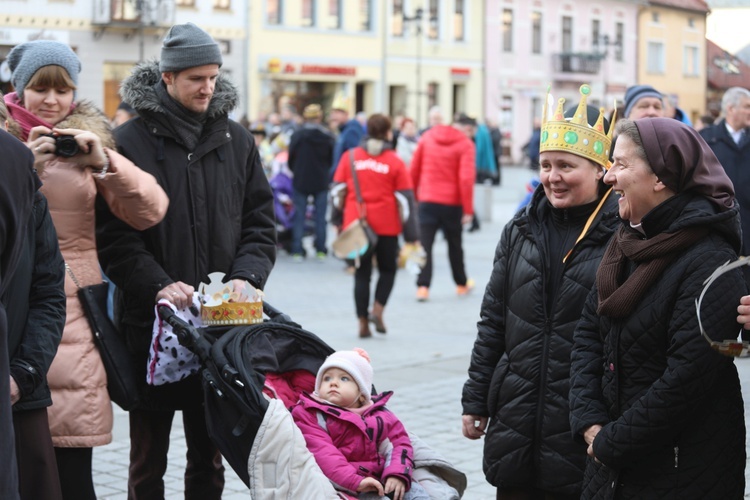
x,y
576,62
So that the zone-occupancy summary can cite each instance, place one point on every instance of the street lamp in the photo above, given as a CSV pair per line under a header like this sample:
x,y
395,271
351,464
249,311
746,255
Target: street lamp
x,y
604,42
417,18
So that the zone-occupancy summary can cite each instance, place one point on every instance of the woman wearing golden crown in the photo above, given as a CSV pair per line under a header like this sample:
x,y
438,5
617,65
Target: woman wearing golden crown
x,y
543,270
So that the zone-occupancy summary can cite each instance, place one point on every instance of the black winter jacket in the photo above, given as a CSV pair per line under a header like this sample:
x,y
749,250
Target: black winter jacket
x,y
220,216
670,406
736,163
520,364
310,157
35,303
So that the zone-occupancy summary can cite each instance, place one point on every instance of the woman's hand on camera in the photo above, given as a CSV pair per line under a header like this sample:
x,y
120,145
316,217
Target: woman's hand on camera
x,y
42,146
90,145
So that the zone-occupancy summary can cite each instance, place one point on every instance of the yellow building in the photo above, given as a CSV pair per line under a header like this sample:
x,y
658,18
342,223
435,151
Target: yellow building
x,y
672,52
305,51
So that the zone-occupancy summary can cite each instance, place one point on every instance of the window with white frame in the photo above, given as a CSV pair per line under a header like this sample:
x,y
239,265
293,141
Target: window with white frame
x,y
397,18
334,14
567,34
507,30
690,61
307,19
536,32
185,3
596,27
433,20
459,20
273,11
655,62
620,41
365,15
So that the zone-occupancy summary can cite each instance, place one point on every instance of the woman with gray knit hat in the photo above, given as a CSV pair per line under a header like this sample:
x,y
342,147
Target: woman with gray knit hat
x,y
660,410
72,147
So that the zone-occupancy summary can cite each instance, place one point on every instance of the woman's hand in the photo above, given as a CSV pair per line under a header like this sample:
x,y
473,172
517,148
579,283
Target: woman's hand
x,y
397,486
91,151
589,435
473,426
744,312
41,146
180,294
371,484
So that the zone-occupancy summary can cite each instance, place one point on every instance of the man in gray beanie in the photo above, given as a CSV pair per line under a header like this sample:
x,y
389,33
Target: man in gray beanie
x,y
643,101
220,218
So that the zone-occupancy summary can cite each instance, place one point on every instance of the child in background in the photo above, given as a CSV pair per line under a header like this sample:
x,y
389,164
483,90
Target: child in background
x,y
345,428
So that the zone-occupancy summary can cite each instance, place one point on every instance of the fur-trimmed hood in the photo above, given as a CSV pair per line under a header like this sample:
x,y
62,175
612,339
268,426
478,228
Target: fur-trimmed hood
x,y
138,91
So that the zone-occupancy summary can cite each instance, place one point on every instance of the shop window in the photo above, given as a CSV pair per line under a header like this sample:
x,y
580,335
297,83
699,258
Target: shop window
x,y
397,18
308,13
433,31
459,21
334,14
507,30
365,15
536,32
273,11
506,113
433,94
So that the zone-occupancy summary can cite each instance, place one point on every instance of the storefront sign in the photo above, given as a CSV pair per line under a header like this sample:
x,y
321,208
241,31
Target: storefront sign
x,y
277,66
460,73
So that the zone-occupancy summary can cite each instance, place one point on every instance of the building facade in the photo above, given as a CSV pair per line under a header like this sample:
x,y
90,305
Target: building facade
x,y
557,44
672,52
394,56
110,36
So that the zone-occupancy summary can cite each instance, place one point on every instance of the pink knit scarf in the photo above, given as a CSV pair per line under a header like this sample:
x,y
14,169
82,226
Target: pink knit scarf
x,y
25,118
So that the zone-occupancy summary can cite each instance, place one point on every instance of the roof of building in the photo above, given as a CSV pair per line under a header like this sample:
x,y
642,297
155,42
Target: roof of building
x,y
724,69
694,5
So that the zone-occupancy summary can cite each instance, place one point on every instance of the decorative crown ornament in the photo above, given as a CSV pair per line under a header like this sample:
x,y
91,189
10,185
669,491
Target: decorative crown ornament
x,y
575,135
221,306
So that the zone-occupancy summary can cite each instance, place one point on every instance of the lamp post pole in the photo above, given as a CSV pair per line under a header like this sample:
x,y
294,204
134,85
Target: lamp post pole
x,y
417,17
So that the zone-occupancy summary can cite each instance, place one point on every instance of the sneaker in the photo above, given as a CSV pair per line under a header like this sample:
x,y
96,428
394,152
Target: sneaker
x,y
462,290
423,293
297,257
321,256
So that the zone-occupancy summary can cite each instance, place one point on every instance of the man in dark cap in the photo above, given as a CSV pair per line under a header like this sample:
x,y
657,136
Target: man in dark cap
x,y
220,219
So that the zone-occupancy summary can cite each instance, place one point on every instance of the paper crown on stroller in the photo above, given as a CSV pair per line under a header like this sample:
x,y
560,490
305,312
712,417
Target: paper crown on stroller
x,y
255,432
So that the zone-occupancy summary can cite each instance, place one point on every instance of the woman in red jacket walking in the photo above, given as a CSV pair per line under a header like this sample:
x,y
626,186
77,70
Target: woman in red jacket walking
x,y
382,179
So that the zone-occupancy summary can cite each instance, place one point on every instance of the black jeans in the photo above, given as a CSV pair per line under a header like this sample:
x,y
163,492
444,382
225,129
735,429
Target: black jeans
x,y
386,251
149,443
434,217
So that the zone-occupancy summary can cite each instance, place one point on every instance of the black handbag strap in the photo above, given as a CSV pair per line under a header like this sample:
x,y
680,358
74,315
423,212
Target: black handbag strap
x,y
357,192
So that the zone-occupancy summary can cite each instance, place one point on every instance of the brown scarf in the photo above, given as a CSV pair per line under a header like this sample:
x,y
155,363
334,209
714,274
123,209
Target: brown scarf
x,y
652,256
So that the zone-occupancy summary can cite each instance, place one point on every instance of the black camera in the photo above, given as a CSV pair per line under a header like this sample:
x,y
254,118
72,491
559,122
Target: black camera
x,y
65,145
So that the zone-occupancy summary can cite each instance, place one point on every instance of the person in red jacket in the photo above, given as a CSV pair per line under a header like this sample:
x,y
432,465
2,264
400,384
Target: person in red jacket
x,y
443,173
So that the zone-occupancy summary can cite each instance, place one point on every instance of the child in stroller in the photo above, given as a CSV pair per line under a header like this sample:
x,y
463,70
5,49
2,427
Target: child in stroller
x,y
345,427
252,375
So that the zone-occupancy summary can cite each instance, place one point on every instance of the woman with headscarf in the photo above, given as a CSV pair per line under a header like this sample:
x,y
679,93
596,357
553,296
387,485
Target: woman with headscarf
x,y
661,412
71,143
543,270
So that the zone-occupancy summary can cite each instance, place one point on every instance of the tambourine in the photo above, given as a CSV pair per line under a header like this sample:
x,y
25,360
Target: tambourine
x,y
734,348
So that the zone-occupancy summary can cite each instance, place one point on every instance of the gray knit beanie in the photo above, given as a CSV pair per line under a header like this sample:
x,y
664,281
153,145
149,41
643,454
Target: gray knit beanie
x,y
188,46
26,59
635,93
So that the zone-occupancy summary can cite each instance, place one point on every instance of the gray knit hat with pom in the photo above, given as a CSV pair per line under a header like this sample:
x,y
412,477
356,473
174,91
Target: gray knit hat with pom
x,y
26,59
188,46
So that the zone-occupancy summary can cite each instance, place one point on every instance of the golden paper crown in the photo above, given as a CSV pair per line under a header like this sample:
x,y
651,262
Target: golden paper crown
x,y
221,306
340,102
575,135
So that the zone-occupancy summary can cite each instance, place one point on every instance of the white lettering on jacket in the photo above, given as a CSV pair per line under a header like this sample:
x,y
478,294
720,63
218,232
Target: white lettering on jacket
x,y
370,164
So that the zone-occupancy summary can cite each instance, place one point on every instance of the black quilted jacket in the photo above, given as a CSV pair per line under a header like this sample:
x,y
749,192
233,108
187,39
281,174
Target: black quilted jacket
x,y
671,407
520,363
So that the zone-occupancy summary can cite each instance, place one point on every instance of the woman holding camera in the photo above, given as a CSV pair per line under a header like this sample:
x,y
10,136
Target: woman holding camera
x,y
71,142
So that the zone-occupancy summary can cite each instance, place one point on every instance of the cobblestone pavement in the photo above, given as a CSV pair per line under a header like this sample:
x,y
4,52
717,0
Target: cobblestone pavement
x,y
423,358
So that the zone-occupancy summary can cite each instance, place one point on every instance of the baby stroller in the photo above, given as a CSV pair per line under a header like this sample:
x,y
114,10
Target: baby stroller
x,y
251,376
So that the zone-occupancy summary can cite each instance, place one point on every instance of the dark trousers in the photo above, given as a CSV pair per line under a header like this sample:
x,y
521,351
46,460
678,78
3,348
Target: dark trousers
x,y
386,251
74,468
149,443
37,465
447,218
298,221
